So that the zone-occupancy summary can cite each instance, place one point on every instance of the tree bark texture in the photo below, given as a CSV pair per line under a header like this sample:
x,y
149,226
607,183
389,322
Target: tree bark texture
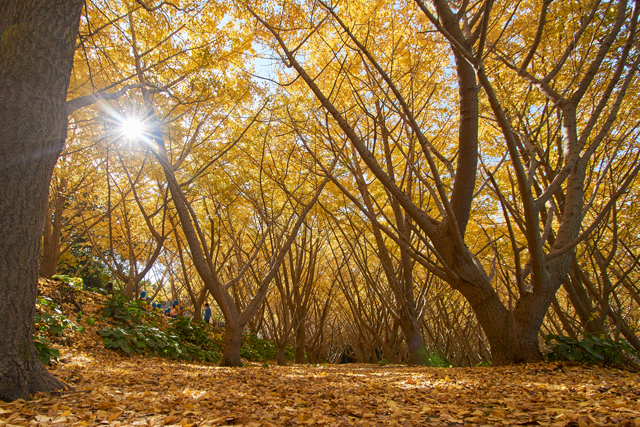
x,y
36,58
301,337
232,344
53,231
282,355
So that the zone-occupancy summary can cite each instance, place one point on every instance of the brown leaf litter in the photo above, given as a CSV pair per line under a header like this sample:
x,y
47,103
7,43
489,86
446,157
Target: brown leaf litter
x,y
109,389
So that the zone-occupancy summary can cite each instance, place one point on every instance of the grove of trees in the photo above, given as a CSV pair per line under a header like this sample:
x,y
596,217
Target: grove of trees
x,y
360,180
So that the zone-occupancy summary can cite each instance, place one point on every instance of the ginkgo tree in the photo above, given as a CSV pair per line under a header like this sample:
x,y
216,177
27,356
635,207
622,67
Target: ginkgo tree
x,y
566,94
185,99
39,43
36,57
489,146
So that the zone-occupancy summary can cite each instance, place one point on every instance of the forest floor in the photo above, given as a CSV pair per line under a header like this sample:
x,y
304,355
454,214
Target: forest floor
x,y
112,388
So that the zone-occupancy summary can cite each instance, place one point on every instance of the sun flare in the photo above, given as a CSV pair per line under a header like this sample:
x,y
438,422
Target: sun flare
x,y
133,128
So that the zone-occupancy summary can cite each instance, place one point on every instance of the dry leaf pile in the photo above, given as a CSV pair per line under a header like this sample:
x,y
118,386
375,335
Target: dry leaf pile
x,y
111,389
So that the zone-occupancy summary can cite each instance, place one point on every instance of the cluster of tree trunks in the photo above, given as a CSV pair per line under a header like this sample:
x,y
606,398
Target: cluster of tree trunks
x,y
418,204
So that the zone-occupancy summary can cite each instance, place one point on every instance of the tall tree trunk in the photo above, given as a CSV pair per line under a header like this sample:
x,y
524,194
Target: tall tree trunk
x,y
232,344
512,334
282,354
52,232
301,337
130,288
313,357
415,344
36,58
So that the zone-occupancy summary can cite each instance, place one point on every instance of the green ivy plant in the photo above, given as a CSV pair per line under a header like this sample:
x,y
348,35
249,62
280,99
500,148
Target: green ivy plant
x,y
48,324
137,330
257,349
46,354
140,331
146,338
590,349
122,309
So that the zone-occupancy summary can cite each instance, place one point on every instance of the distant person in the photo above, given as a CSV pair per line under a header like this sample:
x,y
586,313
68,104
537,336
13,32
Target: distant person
x,y
207,312
175,310
143,294
109,287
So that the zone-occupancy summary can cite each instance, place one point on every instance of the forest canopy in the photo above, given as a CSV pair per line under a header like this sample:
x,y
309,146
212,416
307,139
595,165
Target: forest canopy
x,y
372,180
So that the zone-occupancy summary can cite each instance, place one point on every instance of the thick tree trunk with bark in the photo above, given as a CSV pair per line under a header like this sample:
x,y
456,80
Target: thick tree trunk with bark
x,y
282,354
301,337
53,231
232,344
130,288
512,335
415,343
313,356
36,57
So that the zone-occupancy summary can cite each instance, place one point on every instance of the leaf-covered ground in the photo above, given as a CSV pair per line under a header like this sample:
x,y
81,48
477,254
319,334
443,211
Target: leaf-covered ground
x,y
110,388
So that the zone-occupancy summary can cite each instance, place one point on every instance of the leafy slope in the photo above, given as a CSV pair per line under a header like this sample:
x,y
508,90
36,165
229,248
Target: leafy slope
x,y
111,388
